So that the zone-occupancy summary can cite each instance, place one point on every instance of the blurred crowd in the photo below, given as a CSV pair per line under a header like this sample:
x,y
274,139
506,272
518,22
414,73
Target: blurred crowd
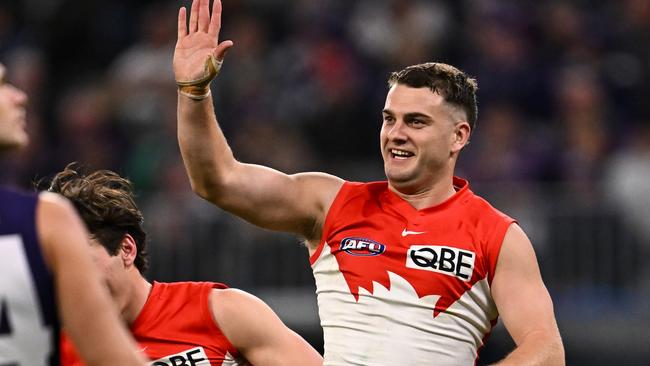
x,y
564,102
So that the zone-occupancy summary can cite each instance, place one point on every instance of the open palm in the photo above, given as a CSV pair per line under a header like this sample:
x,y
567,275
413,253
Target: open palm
x,y
200,40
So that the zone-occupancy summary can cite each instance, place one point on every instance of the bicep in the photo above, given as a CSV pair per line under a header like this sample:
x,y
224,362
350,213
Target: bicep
x,y
521,297
278,201
257,332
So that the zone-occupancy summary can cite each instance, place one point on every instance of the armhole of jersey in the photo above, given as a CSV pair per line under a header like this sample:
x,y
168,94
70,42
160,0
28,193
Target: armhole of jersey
x,y
496,242
208,287
208,314
206,293
331,213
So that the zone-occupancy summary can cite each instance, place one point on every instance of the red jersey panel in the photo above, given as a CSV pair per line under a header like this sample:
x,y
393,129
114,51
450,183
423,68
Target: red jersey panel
x,y
175,327
398,285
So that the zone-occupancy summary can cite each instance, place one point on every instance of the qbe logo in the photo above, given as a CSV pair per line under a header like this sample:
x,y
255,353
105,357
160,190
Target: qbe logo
x,y
191,357
442,259
362,247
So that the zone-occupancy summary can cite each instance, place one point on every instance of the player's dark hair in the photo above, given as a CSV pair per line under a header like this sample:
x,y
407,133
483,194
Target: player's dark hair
x,y
106,203
452,84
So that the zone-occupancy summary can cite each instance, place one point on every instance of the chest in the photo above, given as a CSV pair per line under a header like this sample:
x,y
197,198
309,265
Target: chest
x,y
435,253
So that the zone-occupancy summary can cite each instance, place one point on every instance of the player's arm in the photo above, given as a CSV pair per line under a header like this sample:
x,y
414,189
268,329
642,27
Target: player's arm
x,y
525,305
257,332
263,196
85,307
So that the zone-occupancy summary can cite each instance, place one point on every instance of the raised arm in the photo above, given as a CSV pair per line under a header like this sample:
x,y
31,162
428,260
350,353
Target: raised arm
x,y
85,307
525,305
259,335
266,197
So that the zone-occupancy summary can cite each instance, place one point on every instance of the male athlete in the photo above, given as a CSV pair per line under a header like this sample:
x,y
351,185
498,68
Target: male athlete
x,y
414,270
182,323
43,251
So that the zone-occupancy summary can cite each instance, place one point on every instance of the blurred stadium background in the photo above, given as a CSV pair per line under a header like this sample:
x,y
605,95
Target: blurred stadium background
x,y
563,138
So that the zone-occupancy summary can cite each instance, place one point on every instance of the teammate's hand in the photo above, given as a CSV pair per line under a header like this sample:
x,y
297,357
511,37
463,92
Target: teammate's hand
x,y
195,44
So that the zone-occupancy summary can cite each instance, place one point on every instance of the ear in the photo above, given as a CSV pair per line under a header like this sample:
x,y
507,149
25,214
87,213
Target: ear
x,y
462,131
128,250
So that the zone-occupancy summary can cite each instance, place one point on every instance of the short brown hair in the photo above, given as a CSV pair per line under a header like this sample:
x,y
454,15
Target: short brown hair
x,y
451,83
106,203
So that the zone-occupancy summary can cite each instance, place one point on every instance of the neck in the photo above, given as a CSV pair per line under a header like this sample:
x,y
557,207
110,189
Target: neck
x,y
139,292
427,197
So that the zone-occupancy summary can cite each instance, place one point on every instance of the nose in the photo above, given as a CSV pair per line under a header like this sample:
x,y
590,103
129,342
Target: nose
x,y
396,131
18,96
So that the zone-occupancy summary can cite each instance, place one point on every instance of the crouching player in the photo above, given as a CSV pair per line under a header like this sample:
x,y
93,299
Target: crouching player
x,y
182,323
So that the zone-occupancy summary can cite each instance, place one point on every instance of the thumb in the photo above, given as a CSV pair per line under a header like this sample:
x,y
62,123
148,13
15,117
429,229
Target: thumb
x,y
221,50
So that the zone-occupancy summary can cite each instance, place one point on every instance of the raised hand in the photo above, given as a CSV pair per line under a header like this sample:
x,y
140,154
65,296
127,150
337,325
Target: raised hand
x,y
196,44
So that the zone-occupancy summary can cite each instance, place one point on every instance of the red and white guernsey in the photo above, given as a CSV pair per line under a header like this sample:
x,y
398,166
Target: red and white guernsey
x,y
174,328
400,286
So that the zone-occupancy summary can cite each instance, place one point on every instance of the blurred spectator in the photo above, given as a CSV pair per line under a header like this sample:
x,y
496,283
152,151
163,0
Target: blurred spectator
x,y
141,78
627,181
582,113
398,32
507,148
87,134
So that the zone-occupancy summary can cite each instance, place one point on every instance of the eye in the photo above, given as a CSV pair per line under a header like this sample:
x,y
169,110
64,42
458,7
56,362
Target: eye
x,y
416,122
389,119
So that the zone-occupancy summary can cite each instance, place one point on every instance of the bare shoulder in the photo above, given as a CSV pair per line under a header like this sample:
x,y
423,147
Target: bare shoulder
x,y
58,226
320,189
516,247
51,210
319,178
324,185
54,215
245,319
53,201
516,233
234,302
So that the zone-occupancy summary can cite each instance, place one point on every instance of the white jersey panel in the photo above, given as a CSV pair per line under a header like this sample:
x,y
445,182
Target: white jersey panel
x,y
393,326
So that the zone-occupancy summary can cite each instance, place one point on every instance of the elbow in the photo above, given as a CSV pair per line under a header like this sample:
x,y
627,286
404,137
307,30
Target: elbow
x,y
206,191
211,190
199,189
215,183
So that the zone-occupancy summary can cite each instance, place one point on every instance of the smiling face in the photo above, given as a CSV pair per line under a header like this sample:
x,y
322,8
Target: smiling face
x,y
420,138
12,115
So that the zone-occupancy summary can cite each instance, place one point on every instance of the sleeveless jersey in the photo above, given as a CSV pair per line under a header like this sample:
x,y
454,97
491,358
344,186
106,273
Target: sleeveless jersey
x,y
28,314
400,286
175,327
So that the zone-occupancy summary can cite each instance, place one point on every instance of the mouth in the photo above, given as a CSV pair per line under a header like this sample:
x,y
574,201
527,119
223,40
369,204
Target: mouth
x,y
400,154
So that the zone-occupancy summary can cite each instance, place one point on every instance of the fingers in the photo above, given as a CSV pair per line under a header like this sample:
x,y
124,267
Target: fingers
x,y
194,16
182,22
204,15
223,47
215,19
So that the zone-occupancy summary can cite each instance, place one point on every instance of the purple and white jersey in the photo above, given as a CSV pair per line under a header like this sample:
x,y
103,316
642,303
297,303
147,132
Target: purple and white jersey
x,y
28,316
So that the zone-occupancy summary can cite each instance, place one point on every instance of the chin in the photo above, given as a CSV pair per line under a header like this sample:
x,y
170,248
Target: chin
x,y
21,143
14,145
398,175
399,180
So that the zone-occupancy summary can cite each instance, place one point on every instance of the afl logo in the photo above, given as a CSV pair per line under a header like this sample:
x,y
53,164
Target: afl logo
x,y
362,247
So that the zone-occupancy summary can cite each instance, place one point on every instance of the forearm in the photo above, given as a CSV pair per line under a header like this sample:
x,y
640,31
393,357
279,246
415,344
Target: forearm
x,y
84,304
537,349
205,151
98,335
